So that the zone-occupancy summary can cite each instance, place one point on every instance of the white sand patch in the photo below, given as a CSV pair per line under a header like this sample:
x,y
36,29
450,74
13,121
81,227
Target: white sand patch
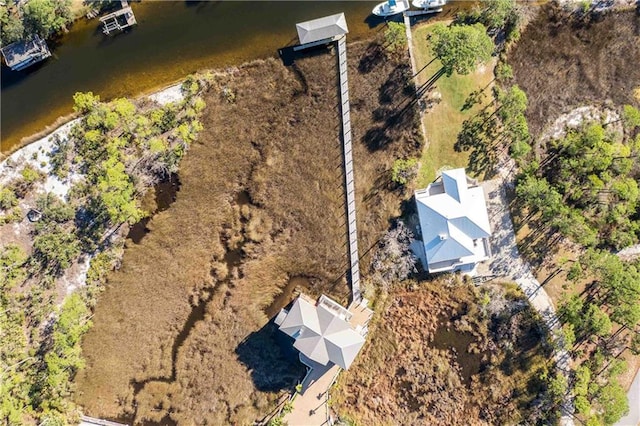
x,y
76,275
576,117
36,155
168,95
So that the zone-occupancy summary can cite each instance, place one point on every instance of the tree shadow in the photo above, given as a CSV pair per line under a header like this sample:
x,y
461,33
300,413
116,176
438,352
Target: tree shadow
x,y
288,55
271,359
373,56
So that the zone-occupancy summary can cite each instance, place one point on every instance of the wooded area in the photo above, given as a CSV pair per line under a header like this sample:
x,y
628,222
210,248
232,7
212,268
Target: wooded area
x,y
116,153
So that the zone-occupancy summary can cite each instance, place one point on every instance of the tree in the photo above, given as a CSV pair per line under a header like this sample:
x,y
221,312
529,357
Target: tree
x,y
581,389
631,117
613,400
56,248
395,37
598,322
84,102
11,28
47,17
403,171
498,13
503,71
461,48
117,193
513,102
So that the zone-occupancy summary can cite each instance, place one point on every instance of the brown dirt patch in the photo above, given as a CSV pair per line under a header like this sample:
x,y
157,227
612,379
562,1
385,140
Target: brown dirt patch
x,y
431,353
180,334
562,64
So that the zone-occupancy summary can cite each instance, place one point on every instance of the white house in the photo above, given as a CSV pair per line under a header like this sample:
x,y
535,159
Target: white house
x,y
323,332
454,223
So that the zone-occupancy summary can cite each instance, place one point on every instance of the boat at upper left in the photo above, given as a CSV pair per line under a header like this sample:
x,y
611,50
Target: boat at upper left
x,y
390,7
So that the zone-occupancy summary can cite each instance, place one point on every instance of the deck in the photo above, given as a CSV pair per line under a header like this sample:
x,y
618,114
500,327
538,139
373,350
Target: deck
x,y
354,259
21,54
118,20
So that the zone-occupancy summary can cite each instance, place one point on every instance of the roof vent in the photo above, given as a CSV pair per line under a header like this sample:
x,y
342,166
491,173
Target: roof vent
x,y
443,237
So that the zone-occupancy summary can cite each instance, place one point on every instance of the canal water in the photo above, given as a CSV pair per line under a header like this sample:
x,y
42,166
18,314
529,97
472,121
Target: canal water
x,y
171,40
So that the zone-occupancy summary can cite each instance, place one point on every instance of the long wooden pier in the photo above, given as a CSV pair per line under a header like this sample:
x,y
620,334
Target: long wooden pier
x,y
348,169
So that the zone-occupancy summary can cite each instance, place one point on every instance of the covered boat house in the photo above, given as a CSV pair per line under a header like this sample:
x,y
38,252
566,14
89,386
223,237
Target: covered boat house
x,y
321,31
24,53
118,20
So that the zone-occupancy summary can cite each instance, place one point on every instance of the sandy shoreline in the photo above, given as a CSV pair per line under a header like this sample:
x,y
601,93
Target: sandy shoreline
x,y
36,154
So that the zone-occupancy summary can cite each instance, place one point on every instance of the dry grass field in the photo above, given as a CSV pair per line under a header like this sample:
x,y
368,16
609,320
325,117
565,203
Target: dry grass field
x,y
181,335
589,63
435,347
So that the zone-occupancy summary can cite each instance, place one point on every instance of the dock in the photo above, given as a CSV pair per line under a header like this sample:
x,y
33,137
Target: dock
x,y
118,20
323,31
354,259
410,13
92,421
22,54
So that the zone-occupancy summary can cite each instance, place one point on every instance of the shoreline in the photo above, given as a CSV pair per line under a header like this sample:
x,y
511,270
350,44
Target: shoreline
x,y
159,95
36,154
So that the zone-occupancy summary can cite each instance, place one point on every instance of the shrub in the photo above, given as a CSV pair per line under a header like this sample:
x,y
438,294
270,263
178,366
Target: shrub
x,y
30,175
393,261
8,198
395,37
404,171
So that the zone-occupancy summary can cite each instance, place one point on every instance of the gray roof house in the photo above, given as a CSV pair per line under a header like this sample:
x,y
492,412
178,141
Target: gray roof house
x,y
322,30
322,332
454,223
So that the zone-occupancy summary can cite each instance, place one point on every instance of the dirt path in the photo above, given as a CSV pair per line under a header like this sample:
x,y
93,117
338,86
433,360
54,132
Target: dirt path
x,y
507,262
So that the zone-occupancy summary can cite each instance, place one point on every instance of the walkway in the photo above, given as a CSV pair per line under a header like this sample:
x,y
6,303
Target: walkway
x,y
633,418
310,407
414,73
506,262
348,168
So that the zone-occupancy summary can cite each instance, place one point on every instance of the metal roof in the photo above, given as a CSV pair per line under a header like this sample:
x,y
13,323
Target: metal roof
x,y
23,53
322,28
321,334
452,217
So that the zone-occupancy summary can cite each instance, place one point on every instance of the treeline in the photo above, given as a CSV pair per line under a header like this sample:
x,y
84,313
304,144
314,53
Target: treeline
x,y
117,152
34,17
598,326
584,186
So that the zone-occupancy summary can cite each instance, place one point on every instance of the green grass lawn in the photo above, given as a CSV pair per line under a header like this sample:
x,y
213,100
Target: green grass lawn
x,y
443,122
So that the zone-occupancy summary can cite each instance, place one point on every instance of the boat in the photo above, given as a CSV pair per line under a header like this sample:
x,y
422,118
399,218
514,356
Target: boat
x,y
390,7
429,5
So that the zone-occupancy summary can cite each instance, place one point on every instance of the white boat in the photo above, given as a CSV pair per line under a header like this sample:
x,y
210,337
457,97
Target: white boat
x,y
434,5
390,7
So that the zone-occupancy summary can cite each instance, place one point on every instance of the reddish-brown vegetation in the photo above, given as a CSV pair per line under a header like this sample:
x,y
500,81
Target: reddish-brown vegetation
x,y
444,353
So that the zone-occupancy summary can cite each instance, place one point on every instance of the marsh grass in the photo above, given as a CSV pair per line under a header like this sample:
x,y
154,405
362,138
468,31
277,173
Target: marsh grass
x,y
437,355
276,140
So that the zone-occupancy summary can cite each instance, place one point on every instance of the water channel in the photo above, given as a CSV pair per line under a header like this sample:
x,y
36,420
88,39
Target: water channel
x,y
171,40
